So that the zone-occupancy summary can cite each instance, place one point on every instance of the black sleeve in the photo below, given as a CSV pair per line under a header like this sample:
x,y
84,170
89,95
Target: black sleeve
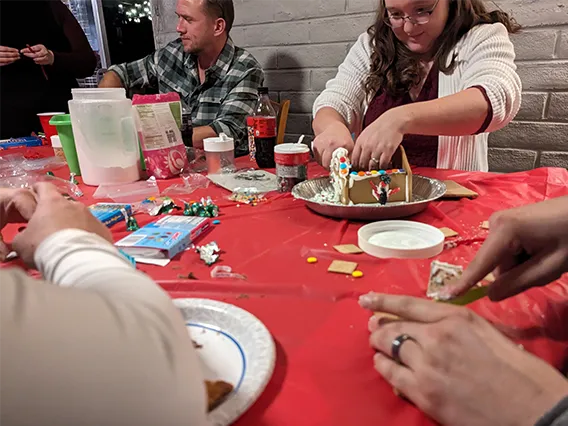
x,y
558,416
81,61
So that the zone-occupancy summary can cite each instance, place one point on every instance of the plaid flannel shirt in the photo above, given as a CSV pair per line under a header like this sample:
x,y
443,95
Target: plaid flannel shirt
x,y
225,99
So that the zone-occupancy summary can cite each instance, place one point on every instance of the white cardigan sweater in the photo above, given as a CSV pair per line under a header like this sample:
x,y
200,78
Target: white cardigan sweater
x,y
485,57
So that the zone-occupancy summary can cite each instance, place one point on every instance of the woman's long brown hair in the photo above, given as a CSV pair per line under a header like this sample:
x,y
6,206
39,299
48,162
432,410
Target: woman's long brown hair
x,y
395,69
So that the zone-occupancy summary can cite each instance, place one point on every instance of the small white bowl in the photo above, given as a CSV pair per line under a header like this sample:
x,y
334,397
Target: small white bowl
x,y
401,239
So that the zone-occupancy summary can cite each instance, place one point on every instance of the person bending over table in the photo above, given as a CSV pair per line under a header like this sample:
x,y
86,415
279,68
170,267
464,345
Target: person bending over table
x,y
43,50
217,81
97,342
452,363
434,75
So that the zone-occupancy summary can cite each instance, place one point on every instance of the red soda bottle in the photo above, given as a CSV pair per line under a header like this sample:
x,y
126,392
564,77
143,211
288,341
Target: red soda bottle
x,y
264,130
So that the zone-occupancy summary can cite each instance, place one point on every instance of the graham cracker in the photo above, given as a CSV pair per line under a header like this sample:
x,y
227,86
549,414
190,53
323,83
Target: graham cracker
x,y
485,224
386,317
348,249
448,232
342,267
455,190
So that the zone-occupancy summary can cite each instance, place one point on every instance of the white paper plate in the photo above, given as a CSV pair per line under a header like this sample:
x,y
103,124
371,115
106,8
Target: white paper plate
x,y
401,239
237,348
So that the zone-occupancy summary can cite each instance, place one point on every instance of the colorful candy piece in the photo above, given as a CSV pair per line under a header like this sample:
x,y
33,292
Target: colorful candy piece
x,y
312,259
354,173
374,172
382,172
361,173
343,166
216,222
357,274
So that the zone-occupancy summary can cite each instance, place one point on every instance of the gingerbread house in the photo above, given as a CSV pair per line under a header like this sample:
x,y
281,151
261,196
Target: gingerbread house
x,y
374,186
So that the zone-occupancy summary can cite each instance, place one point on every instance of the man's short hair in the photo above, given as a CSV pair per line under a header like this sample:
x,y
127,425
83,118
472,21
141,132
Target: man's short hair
x,y
221,9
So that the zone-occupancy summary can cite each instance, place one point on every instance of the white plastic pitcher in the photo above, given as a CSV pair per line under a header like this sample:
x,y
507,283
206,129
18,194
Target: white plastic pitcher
x,y
105,136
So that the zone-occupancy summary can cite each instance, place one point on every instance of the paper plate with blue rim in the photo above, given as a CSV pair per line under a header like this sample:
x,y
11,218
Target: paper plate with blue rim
x,y
235,347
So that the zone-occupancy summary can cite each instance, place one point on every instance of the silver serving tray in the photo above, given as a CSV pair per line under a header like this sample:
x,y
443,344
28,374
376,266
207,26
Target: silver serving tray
x,y
424,189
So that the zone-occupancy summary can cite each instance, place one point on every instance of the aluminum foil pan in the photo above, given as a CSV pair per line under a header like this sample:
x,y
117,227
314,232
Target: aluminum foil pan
x,y
314,192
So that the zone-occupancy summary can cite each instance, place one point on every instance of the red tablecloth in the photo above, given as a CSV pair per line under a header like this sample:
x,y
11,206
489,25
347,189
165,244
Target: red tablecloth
x,y
324,373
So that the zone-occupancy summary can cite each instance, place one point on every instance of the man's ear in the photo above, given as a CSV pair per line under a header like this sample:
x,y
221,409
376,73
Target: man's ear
x,y
220,26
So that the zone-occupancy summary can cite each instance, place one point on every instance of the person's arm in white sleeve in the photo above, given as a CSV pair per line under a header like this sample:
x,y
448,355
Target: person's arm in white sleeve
x,y
104,346
339,108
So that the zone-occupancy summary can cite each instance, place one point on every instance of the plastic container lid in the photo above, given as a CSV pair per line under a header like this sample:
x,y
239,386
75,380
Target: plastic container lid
x,y
222,143
401,239
97,94
56,142
291,148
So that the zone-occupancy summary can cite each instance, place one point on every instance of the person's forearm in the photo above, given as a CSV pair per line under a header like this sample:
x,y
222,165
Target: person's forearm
x,y
61,260
109,329
457,115
201,133
326,117
111,80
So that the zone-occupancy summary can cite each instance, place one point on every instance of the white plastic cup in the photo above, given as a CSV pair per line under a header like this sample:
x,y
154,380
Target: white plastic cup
x,y
219,154
57,147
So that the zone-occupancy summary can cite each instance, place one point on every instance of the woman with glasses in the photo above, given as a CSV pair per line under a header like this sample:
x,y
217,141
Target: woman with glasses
x,y
434,75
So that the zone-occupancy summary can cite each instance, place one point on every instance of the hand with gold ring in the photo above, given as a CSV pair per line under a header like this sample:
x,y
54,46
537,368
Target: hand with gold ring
x,y
376,145
447,361
16,206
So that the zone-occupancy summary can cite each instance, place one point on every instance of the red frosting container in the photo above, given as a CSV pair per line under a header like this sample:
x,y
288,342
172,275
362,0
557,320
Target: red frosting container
x,y
291,164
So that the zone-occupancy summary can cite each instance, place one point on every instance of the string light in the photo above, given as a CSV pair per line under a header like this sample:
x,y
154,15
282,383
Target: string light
x,y
135,11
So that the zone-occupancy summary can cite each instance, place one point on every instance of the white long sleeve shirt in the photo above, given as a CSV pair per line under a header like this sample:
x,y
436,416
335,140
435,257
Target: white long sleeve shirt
x,y
103,346
485,57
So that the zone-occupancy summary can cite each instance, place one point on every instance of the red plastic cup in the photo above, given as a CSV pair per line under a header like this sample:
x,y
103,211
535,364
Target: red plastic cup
x,y
48,129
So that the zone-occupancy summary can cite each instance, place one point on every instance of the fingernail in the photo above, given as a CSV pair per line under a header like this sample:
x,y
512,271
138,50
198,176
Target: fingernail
x,y
366,300
373,323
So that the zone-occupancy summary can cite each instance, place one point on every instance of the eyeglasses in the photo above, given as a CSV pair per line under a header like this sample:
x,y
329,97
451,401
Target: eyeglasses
x,y
419,18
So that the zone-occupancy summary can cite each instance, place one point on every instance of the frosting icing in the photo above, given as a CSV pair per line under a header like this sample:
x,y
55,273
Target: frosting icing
x,y
340,167
343,179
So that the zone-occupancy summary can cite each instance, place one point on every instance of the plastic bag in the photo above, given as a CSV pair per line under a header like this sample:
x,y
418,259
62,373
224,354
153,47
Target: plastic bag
x,y
28,180
197,160
17,164
223,271
260,180
129,193
190,182
158,119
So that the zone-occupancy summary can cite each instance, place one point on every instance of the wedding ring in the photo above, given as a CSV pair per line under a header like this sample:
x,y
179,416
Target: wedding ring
x,y
397,344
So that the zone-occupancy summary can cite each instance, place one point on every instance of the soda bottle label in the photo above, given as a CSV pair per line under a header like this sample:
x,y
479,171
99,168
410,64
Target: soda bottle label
x,y
264,127
250,135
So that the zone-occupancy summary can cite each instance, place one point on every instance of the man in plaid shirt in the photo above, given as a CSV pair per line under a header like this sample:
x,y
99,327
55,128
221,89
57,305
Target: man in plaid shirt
x,y
216,80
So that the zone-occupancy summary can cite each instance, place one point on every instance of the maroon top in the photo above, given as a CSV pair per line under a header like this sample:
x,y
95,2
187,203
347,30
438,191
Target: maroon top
x,y
421,150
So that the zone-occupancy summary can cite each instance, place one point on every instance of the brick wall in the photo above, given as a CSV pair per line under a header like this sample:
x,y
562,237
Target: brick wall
x,y
300,43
